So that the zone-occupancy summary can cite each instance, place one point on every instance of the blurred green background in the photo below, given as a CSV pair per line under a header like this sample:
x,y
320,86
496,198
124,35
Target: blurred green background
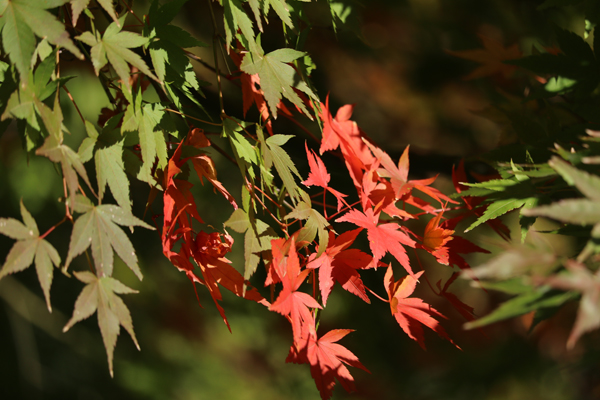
x,y
391,62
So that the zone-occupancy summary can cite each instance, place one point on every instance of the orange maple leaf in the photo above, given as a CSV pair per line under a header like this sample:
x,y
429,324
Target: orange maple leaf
x,y
491,58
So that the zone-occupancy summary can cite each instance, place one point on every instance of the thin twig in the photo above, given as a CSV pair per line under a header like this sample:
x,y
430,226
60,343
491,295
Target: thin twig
x,y
309,133
215,40
194,118
131,12
74,103
343,209
223,153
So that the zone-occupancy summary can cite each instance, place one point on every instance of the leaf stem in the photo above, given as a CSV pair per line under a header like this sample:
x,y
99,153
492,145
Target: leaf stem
x,y
376,295
54,227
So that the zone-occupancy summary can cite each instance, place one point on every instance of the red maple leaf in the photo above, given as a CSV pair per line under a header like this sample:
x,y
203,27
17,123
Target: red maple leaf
x,y
343,133
399,176
340,264
327,359
383,237
204,165
435,239
291,302
411,312
319,176
209,254
465,310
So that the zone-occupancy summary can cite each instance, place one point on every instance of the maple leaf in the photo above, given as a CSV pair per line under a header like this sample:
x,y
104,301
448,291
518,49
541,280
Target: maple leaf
x,y
383,238
253,94
29,246
459,176
277,78
22,21
274,155
465,310
327,359
69,161
290,301
204,165
209,254
315,222
399,176
108,157
411,312
171,63
435,239
100,294
258,236
580,279
97,227
344,133
114,47
236,18
319,176
77,6
492,58
280,7
340,264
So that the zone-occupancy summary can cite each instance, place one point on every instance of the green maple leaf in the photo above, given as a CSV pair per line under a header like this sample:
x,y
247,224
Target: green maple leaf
x,y
152,138
171,64
236,18
258,236
315,223
244,152
110,169
274,155
29,247
97,227
114,47
22,21
77,6
277,78
280,7
100,294
69,161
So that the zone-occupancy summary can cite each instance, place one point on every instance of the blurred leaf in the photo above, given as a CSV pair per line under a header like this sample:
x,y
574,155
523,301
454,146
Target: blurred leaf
x,y
587,183
574,211
492,57
534,300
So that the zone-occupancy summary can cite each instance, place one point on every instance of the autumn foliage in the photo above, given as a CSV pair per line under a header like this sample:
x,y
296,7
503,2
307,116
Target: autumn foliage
x,y
303,231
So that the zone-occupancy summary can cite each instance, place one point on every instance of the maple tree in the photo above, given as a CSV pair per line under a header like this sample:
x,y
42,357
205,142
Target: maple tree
x,y
291,228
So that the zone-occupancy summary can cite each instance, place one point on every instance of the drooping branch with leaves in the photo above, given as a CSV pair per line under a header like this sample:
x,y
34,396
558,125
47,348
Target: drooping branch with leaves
x,y
300,230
